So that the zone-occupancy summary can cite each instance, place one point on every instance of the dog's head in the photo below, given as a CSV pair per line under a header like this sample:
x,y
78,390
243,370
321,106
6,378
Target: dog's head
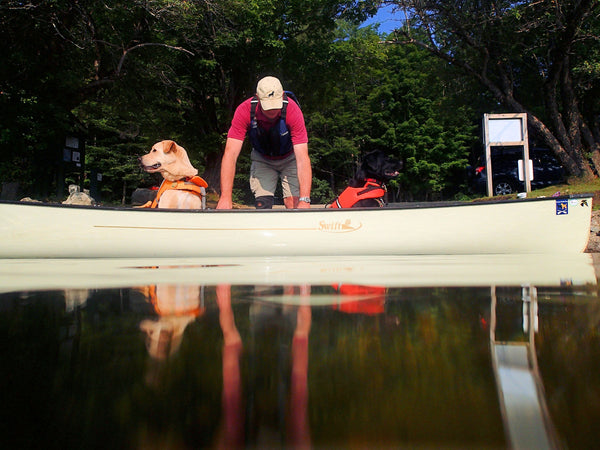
x,y
170,159
379,166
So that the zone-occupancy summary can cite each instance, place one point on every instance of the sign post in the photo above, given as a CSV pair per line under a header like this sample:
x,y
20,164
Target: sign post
x,y
73,160
506,130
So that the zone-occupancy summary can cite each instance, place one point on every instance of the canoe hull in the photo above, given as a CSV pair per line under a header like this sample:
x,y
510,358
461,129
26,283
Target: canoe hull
x,y
508,227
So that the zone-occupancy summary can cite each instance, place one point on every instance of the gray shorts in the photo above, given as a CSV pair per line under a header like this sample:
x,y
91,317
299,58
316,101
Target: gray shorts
x,y
265,173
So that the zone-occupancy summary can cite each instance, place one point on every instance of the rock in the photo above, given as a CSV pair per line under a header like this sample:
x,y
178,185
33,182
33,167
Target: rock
x,y
140,196
10,191
594,242
78,198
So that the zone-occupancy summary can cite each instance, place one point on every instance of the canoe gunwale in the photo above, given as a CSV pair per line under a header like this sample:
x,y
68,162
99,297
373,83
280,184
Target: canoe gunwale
x,y
389,207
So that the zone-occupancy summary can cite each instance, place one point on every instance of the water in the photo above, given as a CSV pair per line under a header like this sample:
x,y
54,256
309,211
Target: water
x,y
417,352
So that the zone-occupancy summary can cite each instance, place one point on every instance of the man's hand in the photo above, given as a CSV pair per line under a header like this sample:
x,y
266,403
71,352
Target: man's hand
x,y
224,203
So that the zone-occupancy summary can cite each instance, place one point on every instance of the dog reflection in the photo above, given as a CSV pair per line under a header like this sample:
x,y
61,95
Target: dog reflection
x,y
360,299
177,306
232,432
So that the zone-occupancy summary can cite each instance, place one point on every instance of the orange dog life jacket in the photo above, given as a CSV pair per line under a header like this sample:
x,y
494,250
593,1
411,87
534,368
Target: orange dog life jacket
x,y
193,185
174,309
351,195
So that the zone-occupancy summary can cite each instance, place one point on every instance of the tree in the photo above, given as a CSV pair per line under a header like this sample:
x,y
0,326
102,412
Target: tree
x,y
536,57
395,99
124,75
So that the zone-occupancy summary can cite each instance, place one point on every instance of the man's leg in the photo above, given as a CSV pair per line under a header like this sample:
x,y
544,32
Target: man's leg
x,y
264,202
289,182
263,181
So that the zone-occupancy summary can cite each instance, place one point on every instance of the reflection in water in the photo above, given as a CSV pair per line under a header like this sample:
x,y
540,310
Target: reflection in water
x,y
294,418
177,365
361,299
526,418
177,306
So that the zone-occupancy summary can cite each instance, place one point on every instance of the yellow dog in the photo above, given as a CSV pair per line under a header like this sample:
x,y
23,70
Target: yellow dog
x,y
181,187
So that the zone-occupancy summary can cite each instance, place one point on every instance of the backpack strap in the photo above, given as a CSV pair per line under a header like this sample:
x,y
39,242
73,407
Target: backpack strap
x,y
284,107
253,104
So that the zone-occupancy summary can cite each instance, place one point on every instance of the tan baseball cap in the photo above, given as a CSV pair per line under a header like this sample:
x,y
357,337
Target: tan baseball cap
x,y
270,93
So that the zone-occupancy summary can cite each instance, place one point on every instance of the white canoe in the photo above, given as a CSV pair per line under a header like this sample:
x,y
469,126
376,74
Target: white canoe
x,y
541,226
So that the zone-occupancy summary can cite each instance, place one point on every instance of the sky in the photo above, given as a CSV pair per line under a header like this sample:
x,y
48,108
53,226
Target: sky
x,y
388,19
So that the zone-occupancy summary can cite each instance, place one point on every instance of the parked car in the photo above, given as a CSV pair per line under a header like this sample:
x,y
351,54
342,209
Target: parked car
x,y
505,180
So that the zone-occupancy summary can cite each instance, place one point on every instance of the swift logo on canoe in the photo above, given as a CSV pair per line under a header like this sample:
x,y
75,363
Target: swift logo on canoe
x,y
339,227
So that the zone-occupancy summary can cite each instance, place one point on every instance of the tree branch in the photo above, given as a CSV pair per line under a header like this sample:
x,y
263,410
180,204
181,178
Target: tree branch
x,y
147,44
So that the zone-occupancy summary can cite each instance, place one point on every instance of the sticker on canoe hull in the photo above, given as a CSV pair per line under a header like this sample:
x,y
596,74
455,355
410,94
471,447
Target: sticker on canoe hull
x,y
337,226
562,207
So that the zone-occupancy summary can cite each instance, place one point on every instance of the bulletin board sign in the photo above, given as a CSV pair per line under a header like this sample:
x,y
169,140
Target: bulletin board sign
x,y
506,130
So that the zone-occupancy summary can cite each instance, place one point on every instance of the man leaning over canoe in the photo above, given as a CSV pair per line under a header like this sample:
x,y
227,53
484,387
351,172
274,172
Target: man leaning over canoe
x,y
274,123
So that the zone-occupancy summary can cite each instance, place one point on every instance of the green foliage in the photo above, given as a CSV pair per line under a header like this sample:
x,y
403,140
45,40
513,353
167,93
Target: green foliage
x,y
392,98
124,75
536,58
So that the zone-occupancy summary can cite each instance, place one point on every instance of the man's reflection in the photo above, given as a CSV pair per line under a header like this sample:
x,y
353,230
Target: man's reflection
x,y
232,433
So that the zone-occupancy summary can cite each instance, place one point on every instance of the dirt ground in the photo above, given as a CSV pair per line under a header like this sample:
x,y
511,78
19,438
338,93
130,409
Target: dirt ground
x,y
594,242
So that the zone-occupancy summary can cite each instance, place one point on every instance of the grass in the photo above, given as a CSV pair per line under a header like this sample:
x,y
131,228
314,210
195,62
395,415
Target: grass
x,y
573,186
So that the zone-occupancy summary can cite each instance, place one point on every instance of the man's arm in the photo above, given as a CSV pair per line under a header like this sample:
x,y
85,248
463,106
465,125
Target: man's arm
x,y
304,172
233,147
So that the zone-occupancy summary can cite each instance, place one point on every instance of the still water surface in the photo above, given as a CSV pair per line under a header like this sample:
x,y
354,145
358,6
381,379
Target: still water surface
x,y
412,352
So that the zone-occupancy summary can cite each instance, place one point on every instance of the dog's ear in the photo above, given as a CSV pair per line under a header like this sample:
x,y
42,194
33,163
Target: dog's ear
x,y
360,174
370,164
170,146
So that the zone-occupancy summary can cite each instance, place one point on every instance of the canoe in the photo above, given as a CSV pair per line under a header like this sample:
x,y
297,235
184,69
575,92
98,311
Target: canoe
x,y
403,271
540,226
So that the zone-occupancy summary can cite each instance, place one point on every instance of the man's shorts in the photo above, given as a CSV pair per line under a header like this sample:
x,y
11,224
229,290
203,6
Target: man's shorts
x,y
265,173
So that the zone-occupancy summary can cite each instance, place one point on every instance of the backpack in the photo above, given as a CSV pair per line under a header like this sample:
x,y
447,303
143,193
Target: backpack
x,y
277,142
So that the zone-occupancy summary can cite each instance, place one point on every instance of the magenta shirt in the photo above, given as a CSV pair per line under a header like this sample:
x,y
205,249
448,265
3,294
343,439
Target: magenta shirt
x,y
293,118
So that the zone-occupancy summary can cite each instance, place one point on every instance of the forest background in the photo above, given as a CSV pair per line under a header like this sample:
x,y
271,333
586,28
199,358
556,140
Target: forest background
x,y
121,75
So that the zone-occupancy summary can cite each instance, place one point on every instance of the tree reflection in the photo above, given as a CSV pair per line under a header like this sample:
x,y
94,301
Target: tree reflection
x,y
257,366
